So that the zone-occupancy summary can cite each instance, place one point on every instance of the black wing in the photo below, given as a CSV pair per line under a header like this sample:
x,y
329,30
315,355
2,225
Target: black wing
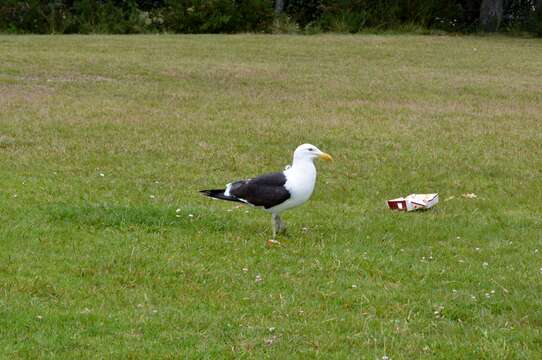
x,y
266,190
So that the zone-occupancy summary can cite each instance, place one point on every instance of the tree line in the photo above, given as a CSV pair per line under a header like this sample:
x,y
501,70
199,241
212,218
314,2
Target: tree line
x,y
304,16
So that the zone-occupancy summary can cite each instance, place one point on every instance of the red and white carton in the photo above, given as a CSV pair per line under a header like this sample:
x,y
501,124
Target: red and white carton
x,y
413,202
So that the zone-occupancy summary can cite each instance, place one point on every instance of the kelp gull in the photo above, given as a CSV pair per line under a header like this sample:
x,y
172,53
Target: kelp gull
x,y
280,191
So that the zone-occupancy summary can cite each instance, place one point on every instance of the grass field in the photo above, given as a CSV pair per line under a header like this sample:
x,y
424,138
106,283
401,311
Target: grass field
x,y
103,138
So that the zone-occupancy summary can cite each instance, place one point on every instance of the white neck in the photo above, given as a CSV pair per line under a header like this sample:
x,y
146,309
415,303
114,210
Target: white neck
x,y
302,161
304,168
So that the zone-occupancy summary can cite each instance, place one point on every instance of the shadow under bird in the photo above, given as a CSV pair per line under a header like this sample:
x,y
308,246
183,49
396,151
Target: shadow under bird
x,y
280,191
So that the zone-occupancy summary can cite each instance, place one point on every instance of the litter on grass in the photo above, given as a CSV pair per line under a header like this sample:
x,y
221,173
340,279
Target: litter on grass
x,y
413,202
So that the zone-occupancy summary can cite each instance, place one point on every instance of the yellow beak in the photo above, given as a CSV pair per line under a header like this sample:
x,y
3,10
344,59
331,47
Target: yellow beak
x,y
325,156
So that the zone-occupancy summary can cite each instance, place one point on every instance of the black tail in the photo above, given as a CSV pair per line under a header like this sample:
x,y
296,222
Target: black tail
x,y
219,194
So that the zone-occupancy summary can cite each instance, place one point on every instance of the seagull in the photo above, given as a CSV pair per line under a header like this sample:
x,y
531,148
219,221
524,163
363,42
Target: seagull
x,y
279,191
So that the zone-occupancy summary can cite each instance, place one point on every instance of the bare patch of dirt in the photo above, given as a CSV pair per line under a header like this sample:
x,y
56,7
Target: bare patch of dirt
x,y
58,78
10,94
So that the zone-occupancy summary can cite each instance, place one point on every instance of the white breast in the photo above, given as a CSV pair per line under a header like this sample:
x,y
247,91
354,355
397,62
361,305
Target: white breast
x,y
300,180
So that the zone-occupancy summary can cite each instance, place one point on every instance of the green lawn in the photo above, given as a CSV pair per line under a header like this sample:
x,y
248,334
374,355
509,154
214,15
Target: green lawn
x,y
103,138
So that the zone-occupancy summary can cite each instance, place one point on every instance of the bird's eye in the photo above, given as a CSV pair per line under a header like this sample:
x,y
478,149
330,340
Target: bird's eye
x,y
311,149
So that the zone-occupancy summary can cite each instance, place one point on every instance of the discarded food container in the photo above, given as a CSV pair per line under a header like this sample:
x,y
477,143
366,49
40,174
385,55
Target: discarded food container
x,y
413,202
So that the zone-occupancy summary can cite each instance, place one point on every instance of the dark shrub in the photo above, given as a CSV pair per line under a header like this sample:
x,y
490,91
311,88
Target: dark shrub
x,y
228,16
34,16
535,22
214,16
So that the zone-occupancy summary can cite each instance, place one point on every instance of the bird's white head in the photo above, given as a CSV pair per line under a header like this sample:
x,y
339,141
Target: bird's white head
x,y
308,152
